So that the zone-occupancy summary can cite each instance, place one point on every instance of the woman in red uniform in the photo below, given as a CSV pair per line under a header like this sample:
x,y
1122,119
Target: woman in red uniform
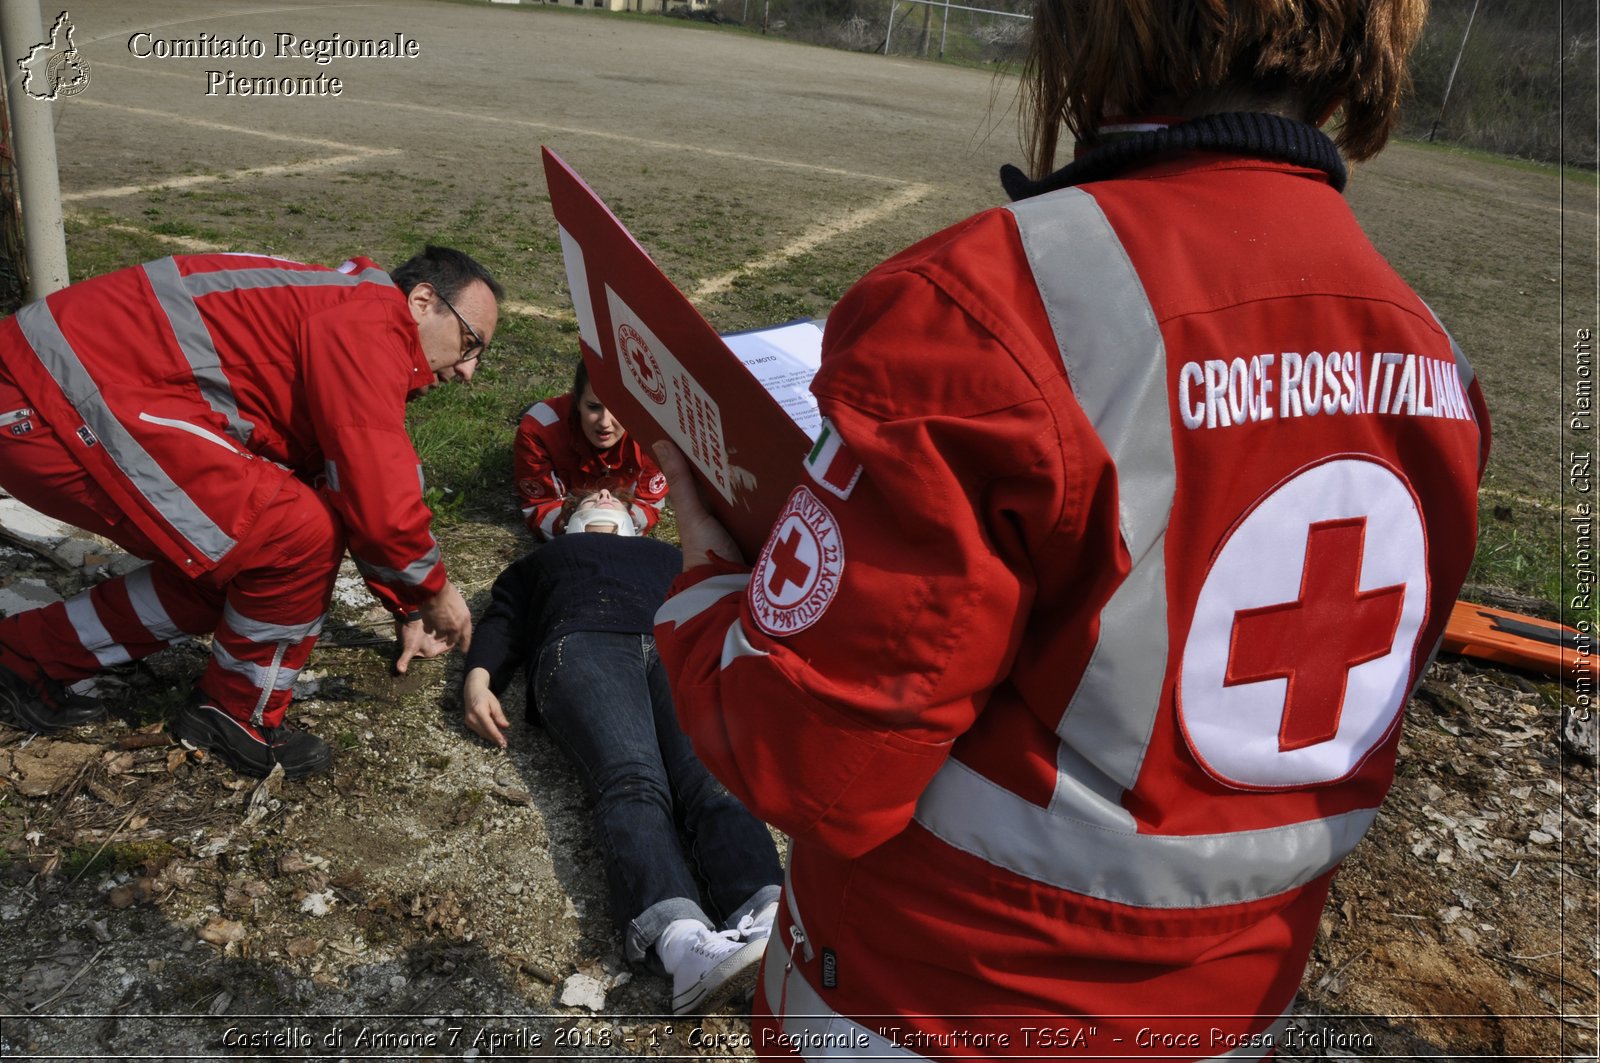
x,y
1076,665
568,444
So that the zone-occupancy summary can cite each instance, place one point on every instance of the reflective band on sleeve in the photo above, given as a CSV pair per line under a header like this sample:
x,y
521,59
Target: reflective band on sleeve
x,y
332,471
147,606
548,525
194,340
691,602
44,335
542,412
736,644
93,634
263,632
1143,870
413,575
228,280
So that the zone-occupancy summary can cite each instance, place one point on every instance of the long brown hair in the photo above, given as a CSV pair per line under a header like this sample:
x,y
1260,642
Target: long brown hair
x,y
1091,59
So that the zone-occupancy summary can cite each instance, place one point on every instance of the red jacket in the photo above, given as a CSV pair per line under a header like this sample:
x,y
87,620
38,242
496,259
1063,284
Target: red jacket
x,y
1075,666
551,459
157,377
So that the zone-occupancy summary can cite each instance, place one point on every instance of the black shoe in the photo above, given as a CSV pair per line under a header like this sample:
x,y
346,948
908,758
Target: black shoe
x,y
252,750
44,707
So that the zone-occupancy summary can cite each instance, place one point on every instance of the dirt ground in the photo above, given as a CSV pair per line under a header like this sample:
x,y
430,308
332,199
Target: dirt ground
x,y
433,897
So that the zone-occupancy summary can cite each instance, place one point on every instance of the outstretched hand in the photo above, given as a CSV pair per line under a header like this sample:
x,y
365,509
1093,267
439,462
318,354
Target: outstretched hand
x,y
415,640
481,709
699,533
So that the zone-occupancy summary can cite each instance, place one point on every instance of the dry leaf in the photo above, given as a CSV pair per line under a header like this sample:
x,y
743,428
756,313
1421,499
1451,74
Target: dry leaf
x,y
301,948
220,931
118,763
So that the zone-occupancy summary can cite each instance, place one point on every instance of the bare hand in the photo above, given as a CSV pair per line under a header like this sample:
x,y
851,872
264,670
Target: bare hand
x,y
415,640
481,709
447,618
699,533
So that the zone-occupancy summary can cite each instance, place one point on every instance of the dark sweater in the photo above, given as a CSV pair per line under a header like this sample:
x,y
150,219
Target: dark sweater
x,y
583,581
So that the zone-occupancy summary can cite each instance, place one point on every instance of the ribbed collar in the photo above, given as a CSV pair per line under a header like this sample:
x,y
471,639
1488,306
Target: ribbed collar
x,y
1244,133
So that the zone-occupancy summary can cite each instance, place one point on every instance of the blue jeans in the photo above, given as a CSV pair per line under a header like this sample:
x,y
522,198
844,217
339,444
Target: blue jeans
x,y
604,697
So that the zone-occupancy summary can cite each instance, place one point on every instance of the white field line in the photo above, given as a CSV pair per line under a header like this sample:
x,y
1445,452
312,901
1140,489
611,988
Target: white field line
x,y
187,243
856,219
906,194
353,153
531,310
660,145
333,162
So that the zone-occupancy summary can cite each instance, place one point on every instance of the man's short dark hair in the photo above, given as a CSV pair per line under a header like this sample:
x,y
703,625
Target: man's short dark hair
x,y
447,269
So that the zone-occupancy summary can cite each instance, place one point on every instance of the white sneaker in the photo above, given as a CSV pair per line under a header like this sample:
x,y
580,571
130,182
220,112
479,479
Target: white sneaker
x,y
757,926
708,967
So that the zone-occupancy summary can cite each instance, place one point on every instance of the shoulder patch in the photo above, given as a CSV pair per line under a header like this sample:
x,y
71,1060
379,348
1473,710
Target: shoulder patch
x,y
798,573
831,463
543,413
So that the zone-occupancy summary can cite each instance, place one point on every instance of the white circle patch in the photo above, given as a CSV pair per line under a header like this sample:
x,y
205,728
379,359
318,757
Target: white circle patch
x,y
1299,654
798,572
646,371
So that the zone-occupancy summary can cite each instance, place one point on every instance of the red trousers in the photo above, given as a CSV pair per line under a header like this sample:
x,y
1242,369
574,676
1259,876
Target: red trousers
x,y
265,603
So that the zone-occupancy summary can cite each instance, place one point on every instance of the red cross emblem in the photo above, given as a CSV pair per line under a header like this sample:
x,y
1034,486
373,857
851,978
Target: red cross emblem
x,y
1314,641
786,565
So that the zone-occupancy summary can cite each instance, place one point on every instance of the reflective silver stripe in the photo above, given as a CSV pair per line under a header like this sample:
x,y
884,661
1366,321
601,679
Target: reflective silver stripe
x,y
541,412
548,525
93,634
977,816
332,472
822,1033
259,676
413,575
1085,841
194,340
147,606
1115,359
264,632
422,483
230,280
44,335
818,1031
1465,371
736,644
692,601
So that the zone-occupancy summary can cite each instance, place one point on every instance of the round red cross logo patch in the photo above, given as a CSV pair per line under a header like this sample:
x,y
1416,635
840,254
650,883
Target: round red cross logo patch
x,y
641,363
798,573
1299,656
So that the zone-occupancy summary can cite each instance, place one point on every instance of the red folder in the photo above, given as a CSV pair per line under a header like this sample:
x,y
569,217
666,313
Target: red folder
x,y
666,373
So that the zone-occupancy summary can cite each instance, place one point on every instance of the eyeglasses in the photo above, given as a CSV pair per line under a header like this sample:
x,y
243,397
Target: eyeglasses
x,y
472,344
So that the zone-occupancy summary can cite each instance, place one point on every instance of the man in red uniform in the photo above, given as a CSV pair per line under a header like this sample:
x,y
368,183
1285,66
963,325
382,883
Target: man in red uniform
x,y
570,443
1076,661
238,420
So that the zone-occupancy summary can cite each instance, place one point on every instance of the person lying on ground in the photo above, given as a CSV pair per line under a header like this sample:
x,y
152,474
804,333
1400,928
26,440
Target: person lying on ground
x,y
576,614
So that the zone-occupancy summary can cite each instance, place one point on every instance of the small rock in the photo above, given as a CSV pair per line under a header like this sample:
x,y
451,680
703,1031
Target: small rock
x,y
317,903
1579,735
583,991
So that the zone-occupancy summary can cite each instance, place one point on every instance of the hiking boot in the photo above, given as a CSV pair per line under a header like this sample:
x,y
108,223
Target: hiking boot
x,y
44,706
247,748
708,967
